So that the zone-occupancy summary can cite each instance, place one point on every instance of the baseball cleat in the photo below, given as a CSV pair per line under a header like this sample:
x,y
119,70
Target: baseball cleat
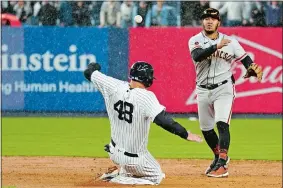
x,y
211,166
112,172
220,169
221,172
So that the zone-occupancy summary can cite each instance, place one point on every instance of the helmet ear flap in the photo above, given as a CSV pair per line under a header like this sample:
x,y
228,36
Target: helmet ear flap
x,y
149,82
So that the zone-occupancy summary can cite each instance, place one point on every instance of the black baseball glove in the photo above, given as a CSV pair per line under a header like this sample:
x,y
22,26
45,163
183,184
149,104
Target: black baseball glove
x,y
90,69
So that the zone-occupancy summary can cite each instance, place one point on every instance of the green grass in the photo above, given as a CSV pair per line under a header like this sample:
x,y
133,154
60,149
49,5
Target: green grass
x,y
250,138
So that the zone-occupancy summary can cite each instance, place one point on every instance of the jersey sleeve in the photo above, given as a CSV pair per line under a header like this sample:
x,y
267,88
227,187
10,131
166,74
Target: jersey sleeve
x,y
194,43
239,51
105,84
152,107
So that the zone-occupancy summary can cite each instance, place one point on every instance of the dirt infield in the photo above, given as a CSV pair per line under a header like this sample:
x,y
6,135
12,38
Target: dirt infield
x,y
60,172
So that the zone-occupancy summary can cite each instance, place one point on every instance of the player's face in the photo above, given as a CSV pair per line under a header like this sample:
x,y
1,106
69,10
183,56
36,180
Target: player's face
x,y
210,25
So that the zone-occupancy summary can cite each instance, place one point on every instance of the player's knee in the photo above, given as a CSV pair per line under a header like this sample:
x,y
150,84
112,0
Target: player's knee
x,y
206,128
222,126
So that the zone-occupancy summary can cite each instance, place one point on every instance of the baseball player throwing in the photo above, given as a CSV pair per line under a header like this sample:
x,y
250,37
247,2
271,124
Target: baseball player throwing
x,y
131,108
212,53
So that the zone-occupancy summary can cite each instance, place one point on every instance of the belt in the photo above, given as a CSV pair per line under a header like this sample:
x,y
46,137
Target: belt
x,y
125,153
213,86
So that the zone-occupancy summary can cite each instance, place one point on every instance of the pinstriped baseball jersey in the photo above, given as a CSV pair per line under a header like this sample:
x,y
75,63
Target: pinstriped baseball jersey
x,y
130,111
217,67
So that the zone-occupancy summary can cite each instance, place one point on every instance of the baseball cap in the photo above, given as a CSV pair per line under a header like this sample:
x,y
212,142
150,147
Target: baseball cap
x,y
210,12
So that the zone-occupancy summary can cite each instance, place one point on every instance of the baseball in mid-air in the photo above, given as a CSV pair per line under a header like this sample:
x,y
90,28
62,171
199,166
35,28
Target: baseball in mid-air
x,y
138,18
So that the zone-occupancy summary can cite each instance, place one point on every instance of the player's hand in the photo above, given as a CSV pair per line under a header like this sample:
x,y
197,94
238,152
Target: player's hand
x,y
90,69
194,137
223,42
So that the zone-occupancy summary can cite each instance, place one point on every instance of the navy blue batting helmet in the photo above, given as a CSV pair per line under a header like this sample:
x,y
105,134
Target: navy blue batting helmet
x,y
142,72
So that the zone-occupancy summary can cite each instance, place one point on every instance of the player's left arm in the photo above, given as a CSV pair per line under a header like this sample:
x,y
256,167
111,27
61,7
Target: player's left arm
x,y
165,121
156,112
105,84
253,69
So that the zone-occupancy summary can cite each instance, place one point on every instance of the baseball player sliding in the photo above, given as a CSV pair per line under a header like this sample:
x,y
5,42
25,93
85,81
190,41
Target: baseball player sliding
x,y
213,53
131,108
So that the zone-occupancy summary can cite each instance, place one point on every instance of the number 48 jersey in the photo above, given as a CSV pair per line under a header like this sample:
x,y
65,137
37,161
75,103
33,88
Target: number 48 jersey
x,y
130,111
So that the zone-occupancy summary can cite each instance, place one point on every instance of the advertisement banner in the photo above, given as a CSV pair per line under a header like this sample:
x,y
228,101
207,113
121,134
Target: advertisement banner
x,y
42,68
12,43
167,49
